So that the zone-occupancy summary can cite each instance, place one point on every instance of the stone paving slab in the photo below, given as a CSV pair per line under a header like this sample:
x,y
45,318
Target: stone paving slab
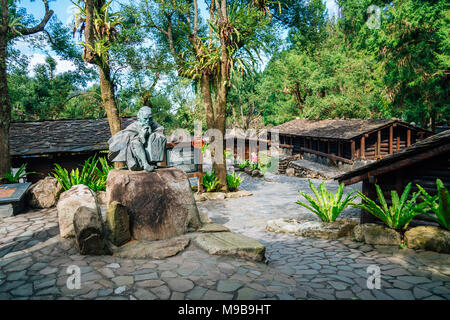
x,y
231,244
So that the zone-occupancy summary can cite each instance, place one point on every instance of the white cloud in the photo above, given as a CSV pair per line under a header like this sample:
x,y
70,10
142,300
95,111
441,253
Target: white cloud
x,y
61,65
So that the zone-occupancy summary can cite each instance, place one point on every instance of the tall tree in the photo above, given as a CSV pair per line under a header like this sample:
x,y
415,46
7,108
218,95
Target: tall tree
x,y
210,53
11,27
100,27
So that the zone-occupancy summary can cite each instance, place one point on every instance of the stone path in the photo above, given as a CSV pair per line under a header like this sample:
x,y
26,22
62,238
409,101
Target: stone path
x,y
34,260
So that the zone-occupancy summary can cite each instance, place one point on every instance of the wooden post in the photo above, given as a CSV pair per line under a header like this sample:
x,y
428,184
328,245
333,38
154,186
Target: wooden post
x,y
378,143
398,142
408,138
363,147
391,139
352,148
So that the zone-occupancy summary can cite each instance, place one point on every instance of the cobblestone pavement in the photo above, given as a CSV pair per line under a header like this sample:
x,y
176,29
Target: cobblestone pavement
x,y
34,261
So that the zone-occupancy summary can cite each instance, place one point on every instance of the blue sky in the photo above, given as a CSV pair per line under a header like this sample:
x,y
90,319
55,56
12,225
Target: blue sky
x,y
64,11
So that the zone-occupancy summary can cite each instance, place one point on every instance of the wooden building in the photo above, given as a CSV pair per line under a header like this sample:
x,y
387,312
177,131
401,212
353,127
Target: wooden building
x,y
68,143
421,163
348,141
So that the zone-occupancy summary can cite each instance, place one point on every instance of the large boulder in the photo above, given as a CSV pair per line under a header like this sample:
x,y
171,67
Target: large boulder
x,y
69,202
44,193
160,203
89,232
118,223
428,238
372,233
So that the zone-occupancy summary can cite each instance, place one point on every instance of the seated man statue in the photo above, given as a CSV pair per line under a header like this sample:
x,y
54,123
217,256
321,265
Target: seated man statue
x,y
141,145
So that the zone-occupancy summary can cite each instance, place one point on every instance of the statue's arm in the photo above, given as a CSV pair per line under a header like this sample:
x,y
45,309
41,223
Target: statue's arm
x,y
156,127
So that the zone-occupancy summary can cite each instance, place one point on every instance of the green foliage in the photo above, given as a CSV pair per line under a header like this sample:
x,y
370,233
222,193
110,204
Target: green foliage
x,y
396,216
91,175
244,164
210,181
233,181
438,204
14,178
256,166
327,206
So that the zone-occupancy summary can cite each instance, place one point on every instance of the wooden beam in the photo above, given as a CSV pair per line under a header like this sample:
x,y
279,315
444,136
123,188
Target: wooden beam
x,y
378,149
408,137
391,139
352,149
326,155
398,141
363,147
386,168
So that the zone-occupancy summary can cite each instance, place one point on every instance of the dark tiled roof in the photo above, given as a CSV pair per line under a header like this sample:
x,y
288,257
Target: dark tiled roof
x,y
33,138
334,128
439,143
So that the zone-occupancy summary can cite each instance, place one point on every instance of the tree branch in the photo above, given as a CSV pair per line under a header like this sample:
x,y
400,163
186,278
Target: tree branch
x,y
41,25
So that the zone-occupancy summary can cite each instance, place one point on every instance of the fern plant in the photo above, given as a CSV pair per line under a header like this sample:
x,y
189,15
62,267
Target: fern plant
x,y
90,175
233,181
11,177
439,204
210,181
396,216
244,164
326,205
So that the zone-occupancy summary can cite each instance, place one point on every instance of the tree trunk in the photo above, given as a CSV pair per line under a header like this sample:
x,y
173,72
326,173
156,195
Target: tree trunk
x,y
5,111
110,105
219,123
109,100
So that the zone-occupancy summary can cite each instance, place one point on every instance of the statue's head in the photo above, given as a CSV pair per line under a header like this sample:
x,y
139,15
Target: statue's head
x,y
145,116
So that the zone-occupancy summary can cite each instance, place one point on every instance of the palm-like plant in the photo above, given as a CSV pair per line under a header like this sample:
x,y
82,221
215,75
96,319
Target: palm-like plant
x,y
439,204
210,181
90,175
233,181
327,205
396,216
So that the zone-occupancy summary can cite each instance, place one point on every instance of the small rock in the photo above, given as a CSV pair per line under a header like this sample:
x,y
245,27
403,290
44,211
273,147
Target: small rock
x,y
118,223
239,194
88,228
290,172
214,196
428,238
377,234
44,193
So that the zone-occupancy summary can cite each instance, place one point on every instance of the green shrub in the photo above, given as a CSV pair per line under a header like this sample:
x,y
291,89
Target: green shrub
x,y
233,181
90,175
439,204
327,205
256,166
244,164
15,178
210,181
396,216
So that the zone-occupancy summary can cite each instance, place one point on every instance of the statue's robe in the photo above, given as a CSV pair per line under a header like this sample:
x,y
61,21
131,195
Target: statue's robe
x,y
125,145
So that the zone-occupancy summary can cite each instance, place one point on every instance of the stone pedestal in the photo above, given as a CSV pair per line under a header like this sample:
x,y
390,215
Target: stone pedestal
x,y
160,204
12,198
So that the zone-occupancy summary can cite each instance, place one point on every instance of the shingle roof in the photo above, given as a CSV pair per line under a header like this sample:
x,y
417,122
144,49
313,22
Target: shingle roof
x,y
438,144
32,138
334,128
